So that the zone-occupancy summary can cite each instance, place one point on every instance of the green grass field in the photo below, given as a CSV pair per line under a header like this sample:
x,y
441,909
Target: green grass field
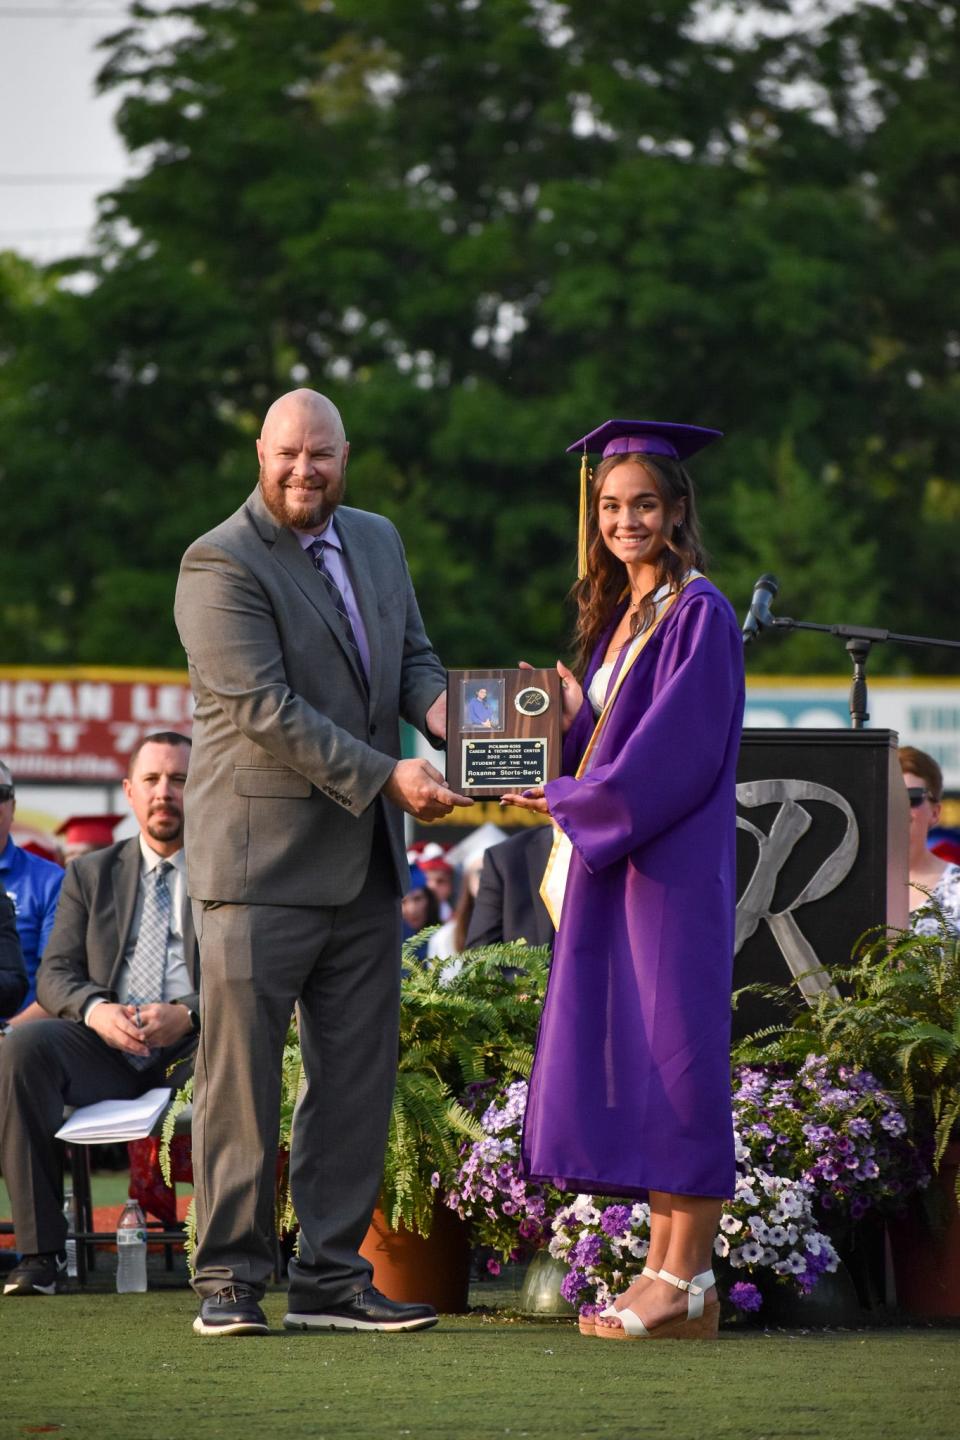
x,y
104,1366
94,1365
109,1187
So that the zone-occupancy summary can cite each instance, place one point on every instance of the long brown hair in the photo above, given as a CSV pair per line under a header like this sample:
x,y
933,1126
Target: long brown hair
x,y
603,585
918,762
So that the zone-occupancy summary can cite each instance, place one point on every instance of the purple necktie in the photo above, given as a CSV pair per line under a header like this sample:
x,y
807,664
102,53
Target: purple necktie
x,y
317,548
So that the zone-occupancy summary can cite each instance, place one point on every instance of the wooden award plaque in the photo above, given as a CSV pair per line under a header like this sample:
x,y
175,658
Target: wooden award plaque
x,y
503,730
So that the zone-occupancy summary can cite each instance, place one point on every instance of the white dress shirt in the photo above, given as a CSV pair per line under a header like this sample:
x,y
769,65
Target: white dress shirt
x,y
177,980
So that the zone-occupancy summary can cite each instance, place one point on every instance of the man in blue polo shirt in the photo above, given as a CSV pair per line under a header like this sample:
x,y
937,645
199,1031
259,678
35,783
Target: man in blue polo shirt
x,y
33,885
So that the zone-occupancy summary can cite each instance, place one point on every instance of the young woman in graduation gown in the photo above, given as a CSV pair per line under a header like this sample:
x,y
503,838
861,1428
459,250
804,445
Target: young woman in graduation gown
x,y
630,1089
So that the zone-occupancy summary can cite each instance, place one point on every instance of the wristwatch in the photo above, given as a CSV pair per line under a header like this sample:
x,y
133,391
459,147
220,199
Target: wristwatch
x,y
194,1016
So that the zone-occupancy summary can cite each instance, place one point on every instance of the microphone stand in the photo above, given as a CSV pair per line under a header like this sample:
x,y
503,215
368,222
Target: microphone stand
x,y
860,639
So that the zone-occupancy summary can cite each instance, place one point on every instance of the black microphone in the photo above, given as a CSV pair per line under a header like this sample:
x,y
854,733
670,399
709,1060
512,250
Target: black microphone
x,y
759,616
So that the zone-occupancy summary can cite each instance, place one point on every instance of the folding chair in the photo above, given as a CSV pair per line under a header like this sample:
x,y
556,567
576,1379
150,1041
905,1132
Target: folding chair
x,y
82,1229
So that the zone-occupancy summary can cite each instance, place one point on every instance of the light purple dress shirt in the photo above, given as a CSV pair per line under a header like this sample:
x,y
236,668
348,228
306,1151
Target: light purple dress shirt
x,y
335,562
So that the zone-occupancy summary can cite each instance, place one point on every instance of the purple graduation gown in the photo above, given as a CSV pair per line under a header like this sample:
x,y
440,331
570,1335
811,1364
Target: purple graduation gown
x,y
630,1089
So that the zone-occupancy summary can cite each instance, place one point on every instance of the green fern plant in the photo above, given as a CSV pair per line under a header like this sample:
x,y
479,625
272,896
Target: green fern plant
x,y
898,1016
479,1026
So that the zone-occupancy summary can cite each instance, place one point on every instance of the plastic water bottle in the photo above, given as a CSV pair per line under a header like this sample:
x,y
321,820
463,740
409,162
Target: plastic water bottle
x,y
131,1249
71,1244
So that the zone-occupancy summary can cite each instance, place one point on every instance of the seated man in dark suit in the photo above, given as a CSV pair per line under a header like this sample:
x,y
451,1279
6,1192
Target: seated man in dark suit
x,y
13,972
121,973
508,904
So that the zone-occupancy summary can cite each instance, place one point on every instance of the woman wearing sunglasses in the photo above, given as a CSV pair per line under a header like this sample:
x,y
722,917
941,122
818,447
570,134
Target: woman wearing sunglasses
x,y
931,879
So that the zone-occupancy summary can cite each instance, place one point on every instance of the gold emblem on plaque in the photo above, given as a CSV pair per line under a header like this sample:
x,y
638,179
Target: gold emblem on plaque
x,y
532,700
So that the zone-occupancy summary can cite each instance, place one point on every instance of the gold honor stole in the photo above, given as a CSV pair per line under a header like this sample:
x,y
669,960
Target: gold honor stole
x,y
554,882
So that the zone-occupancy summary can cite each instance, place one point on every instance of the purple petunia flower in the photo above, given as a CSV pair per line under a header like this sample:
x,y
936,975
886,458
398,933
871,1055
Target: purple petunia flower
x,y
587,1251
571,1285
745,1296
615,1220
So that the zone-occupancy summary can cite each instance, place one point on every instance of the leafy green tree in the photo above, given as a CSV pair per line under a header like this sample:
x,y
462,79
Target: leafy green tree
x,y
802,530
484,226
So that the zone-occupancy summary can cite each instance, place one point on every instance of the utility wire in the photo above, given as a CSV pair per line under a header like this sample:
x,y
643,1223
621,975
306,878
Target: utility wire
x,y
75,179
44,230
23,13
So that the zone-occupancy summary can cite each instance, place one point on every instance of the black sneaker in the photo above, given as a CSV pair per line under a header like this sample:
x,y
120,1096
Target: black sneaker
x,y
37,1275
367,1310
232,1311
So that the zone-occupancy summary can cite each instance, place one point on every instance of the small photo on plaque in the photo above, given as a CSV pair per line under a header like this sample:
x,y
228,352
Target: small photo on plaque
x,y
481,706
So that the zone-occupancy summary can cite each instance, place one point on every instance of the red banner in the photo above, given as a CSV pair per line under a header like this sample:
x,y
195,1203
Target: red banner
x,y
81,724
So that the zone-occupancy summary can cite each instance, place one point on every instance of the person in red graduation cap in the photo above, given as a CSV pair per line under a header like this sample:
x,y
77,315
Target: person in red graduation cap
x,y
630,1089
83,833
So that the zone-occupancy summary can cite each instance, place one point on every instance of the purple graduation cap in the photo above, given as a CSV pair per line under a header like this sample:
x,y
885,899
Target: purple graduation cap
x,y
633,437
646,437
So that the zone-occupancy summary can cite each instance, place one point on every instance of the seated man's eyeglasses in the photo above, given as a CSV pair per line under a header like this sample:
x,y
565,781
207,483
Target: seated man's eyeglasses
x,y
916,795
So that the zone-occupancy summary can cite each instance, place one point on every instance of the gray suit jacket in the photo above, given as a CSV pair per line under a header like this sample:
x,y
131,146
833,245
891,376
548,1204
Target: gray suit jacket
x,y
290,751
86,947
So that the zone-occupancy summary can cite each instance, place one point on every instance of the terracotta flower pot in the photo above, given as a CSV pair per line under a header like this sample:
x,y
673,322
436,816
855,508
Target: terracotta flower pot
x,y
926,1261
407,1266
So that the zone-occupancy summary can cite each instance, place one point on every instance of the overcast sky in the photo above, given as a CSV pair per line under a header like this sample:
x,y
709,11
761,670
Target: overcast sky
x,y
58,149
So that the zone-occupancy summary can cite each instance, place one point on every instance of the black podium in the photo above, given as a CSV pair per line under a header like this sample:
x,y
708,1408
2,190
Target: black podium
x,y
822,838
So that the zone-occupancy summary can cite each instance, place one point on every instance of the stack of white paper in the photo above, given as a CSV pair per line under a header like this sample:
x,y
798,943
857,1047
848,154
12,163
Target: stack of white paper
x,y
111,1120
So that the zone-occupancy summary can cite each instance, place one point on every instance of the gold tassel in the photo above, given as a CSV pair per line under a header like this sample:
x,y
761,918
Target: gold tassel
x,y
582,528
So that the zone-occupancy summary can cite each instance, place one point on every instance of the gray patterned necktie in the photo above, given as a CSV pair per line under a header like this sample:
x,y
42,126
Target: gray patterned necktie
x,y
317,548
148,967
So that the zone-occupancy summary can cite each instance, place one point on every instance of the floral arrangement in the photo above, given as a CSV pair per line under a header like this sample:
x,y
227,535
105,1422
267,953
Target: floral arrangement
x,y
767,1230
603,1245
823,1139
509,1215
898,1018
814,1144
832,1127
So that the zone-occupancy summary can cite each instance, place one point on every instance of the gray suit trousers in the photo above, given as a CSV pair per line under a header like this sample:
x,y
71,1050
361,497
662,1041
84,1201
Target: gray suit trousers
x,y
44,1066
340,965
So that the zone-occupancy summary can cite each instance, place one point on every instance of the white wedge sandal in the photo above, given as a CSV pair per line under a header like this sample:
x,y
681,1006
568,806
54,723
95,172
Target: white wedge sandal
x,y
587,1323
701,1321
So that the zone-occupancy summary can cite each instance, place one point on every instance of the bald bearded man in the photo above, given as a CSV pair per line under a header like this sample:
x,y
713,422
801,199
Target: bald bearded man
x,y
305,647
